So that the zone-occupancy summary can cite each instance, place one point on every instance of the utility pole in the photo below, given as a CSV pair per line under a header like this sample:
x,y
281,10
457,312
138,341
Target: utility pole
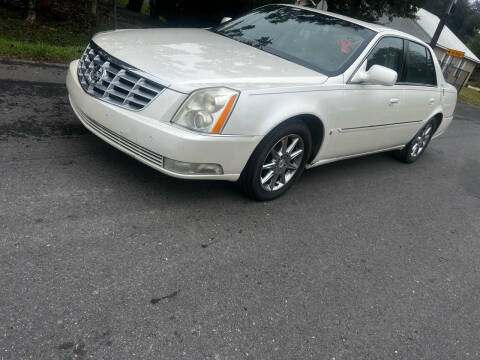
x,y
448,11
115,14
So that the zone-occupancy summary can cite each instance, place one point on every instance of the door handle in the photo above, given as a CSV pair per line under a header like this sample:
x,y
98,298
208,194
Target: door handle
x,y
394,101
431,101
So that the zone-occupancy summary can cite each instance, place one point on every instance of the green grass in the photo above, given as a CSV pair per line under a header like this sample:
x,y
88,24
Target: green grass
x,y
475,83
470,96
44,40
39,51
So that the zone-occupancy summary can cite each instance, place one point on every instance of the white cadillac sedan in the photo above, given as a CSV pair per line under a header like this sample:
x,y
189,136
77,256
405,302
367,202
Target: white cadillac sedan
x,y
261,97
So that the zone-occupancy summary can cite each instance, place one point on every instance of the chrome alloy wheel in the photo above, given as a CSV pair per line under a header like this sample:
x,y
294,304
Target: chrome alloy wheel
x,y
282,162
421,141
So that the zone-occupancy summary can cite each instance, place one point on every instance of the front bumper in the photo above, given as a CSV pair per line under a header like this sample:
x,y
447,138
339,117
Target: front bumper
x,y
148,135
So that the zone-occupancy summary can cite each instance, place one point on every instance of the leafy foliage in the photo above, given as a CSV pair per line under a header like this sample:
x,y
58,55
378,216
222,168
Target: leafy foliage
x,y
60,33
46,40
474,44
372,10
464,22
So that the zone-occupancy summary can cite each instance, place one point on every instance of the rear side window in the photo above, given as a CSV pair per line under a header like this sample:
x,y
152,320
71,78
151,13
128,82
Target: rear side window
x,y
389,53
419,66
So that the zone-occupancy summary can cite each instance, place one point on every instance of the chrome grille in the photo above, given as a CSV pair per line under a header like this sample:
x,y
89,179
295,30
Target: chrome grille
x,y
110,80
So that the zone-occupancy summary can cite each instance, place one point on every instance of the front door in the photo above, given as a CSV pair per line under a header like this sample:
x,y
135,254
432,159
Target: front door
x,y
371,116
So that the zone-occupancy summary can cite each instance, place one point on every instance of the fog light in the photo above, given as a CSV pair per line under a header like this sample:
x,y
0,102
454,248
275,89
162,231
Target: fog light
x,y
192,168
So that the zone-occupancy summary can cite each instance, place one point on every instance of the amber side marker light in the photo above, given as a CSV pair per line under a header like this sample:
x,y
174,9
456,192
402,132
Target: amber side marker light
x,y
226,113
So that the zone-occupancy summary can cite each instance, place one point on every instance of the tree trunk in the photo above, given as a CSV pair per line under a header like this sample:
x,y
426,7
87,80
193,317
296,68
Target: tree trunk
x,y
32,12
94,8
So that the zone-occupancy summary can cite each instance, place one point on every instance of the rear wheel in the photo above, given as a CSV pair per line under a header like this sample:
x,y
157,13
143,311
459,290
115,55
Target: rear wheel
x,y
416,147
278,162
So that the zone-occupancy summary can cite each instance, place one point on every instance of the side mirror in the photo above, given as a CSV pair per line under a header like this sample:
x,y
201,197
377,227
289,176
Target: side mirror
x,y
225,19
376,75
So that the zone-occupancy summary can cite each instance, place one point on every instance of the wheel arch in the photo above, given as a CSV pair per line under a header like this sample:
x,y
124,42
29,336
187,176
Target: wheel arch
x,y
317,131
438,117
315,126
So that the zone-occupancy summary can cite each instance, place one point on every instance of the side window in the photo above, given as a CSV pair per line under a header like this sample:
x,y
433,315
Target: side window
x,y
420,68
388,53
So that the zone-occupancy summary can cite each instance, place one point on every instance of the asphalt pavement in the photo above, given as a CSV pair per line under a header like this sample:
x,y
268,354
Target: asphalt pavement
x,y
102,257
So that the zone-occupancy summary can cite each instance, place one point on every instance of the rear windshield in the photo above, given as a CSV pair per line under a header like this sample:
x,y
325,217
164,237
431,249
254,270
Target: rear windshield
x,y
320,42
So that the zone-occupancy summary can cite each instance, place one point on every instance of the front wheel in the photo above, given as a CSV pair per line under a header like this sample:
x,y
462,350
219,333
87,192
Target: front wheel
x,y
278,162
416,147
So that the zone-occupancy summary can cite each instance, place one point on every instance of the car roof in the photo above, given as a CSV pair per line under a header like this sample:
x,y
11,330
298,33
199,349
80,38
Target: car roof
x,y
375,27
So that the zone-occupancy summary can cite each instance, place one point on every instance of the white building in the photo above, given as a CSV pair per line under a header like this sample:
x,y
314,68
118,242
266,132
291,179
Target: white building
x,y
457,70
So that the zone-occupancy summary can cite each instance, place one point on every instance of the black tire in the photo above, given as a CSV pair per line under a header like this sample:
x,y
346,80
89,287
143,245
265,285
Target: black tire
x,y
250,180
411,152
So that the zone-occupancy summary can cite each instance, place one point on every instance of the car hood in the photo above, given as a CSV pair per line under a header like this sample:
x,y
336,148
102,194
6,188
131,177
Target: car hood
x,y
188,59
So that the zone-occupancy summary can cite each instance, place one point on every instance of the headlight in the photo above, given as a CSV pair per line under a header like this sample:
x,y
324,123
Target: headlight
x,y
207,110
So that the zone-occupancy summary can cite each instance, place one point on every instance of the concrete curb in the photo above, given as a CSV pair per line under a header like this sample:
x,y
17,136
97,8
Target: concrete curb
x,y
473,87
9,61
31,71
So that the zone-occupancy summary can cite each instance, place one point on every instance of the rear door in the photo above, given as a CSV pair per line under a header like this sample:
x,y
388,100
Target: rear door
x,y
422,95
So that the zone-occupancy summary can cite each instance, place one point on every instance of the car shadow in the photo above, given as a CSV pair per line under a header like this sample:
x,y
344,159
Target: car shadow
x,y
164,185
320,179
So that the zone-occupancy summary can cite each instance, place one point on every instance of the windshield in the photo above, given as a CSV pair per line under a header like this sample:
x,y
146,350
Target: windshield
x,y
320,42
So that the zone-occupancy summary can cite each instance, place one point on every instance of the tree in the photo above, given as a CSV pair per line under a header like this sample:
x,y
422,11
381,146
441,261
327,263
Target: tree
x,y
177,11
372,10
464,22
474,44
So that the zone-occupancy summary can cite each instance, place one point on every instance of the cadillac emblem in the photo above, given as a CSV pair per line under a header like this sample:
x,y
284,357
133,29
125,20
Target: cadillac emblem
x,y
96,74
